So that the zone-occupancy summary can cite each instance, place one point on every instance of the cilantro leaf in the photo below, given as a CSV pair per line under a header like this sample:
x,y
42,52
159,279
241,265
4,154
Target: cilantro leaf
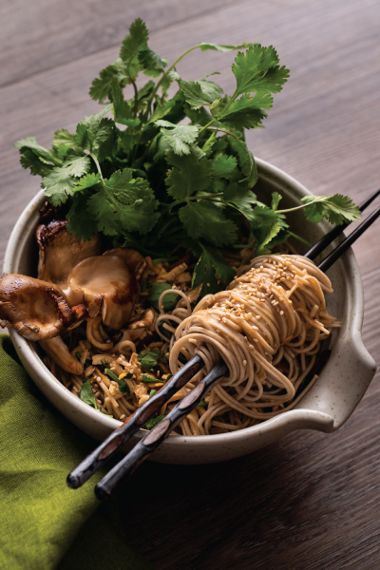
x,y
58,186
80,221
258,69
133,43
36,157
121,108
124,204
189,174
224,166
212,272
151,62
135,56
64,144
87,181
40,151
146,90
63,137
337,209
199,93
96,134
266,225
171,108
60,182
86,395
245,112
101,87
177,138
242,199
77,166
104,209
246,161
205,220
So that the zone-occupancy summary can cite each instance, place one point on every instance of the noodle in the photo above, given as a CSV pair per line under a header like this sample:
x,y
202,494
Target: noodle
x,y
267,328
168,322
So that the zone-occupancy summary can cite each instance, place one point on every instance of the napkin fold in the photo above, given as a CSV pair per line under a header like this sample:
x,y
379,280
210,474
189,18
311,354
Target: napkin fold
x,y
43,524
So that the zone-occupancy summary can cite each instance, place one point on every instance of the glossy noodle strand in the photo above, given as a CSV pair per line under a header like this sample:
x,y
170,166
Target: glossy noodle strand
x,y
267,327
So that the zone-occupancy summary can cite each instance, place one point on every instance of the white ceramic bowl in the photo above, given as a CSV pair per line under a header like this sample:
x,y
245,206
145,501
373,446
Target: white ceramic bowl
x,y
328,404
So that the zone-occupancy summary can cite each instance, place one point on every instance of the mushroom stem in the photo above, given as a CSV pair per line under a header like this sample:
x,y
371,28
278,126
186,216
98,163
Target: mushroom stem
x,y
59,352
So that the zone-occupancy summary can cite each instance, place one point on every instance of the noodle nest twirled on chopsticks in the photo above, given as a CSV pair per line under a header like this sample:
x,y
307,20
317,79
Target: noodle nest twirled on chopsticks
x,y
267,327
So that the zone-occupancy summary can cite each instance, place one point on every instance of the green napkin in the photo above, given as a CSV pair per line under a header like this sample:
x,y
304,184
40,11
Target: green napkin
x,y
43,523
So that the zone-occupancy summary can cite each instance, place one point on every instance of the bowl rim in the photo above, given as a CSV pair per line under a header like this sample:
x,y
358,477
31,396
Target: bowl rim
x,y
266,170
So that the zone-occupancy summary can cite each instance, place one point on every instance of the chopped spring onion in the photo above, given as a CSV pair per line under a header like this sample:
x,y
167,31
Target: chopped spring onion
x,y
152,422
149,379
111,374
149,359
122,385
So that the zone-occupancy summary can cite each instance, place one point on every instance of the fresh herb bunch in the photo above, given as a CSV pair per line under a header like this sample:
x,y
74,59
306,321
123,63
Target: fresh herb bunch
x,y
172,172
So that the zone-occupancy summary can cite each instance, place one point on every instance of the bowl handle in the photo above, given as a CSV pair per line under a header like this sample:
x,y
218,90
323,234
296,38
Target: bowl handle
x,y
344,382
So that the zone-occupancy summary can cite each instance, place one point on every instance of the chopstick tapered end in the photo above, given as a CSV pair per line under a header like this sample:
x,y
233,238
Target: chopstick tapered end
x,y
73,481
102,492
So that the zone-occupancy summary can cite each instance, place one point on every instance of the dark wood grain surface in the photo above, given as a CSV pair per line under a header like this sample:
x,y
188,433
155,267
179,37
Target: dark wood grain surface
x,y
312,500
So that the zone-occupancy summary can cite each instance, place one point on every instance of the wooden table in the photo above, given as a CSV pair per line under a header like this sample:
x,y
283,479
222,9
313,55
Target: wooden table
x,y
312,500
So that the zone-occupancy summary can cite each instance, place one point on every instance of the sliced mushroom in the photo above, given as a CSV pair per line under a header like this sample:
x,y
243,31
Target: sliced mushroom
x,y
59,352
146,322
36,309
173,274
60,251
106,285
138,330
132,258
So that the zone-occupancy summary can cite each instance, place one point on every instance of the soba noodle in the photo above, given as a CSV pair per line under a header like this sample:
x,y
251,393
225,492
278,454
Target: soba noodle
x,y
267,328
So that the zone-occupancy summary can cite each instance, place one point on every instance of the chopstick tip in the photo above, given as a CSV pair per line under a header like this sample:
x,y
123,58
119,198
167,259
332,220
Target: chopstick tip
x,y
101,492
73,481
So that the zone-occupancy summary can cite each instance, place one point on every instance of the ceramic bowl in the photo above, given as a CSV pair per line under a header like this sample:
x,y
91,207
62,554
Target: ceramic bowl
x,y
341,385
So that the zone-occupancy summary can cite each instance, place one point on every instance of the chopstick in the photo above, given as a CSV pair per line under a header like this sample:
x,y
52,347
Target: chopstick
x,y
328,261
121,435
154,438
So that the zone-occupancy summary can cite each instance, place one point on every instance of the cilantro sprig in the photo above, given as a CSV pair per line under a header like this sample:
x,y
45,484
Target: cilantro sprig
x,y
87,395
164,166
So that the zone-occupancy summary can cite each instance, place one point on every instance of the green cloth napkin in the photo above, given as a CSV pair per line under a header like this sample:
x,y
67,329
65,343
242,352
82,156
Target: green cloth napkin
x,y
43,524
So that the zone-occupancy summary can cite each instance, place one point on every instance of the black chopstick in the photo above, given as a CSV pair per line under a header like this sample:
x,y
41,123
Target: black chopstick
x,y
328,261
328,238
121,435
154,438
